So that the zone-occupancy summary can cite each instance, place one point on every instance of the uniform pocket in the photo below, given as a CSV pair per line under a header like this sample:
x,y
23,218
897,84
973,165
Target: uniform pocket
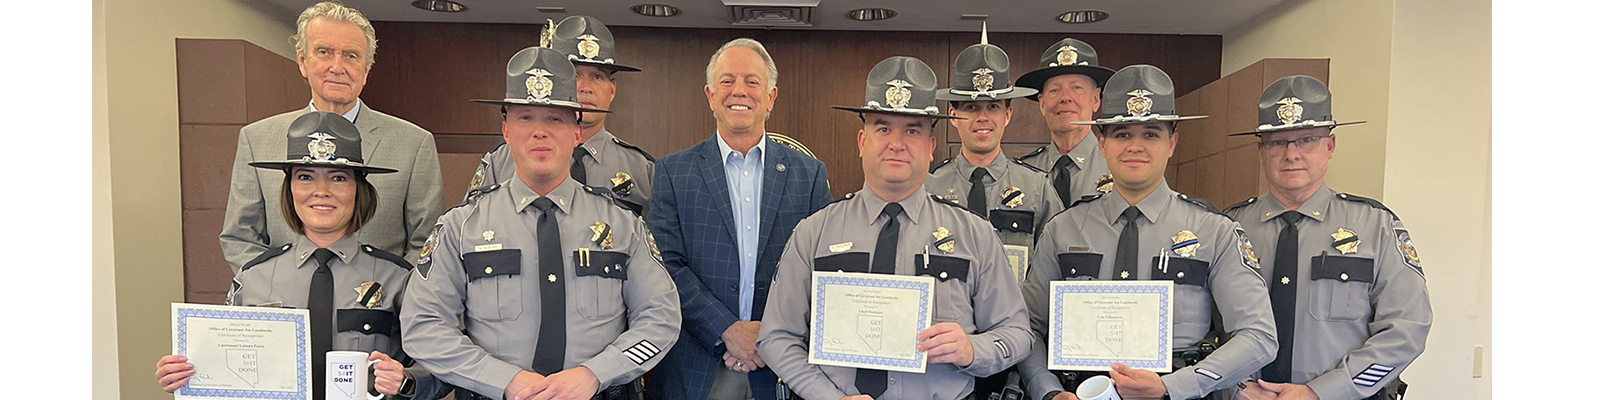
x,y
1079,265
859,262
1012,220
952,301
1339,288
494,290
599,283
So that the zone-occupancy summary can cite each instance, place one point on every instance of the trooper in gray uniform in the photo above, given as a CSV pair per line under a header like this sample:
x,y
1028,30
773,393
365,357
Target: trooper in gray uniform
x,y
893,226
1069,80
1016,197
602,160
563,292
1143,230
353,290
1346,283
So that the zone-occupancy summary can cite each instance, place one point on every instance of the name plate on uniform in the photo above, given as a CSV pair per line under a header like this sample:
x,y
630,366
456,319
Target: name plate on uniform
x,y
243,352
869,320
1096,323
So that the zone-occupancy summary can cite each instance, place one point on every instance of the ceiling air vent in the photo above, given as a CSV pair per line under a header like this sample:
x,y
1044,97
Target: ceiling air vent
x,y
771,16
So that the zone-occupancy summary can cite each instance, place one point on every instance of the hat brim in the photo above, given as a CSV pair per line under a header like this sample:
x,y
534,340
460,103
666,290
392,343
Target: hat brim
x,y
1016,92
612,67
287,164
864,110
1035,79
1276,129
1135,121
520,102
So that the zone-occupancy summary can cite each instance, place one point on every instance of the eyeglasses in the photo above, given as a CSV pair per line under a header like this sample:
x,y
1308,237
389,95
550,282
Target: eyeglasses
x,y
1304,144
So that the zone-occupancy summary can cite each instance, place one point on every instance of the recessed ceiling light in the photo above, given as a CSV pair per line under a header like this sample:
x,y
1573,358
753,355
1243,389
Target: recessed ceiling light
x,y
871,14
1082,16
439,5
655,10
551,9
974,17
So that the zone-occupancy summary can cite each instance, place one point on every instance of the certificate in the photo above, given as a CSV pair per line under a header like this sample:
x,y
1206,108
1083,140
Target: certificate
x,y
869,320
243,352
1096,323
1017,256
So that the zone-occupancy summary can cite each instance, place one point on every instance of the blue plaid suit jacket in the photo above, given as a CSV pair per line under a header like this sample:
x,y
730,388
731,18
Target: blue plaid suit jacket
x,y
692,221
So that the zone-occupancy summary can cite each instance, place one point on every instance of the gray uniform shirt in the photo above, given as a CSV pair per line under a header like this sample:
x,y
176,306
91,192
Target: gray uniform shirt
x,y
617,322
608,157
1032,199
1360,317
1081,243
1087,167
411,199
282,277
975,290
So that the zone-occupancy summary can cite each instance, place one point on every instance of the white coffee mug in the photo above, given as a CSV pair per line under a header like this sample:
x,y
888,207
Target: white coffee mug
x,y
1098,387
347,376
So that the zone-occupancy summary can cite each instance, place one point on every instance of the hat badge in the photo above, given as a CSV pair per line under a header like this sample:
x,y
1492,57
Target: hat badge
x,y
983,79
1289,111
1066,55
897,95
539,85
1139,103
588,46
321,146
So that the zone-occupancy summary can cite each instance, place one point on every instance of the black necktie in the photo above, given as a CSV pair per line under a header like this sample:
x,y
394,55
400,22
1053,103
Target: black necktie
x,y
321,306
1127,261
550,354
1285,268
579,173
977,199
1062,180
873,382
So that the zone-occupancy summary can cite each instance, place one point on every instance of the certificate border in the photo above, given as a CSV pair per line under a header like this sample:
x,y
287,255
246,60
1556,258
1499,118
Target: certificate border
x,y
183,312
1058,289
822,280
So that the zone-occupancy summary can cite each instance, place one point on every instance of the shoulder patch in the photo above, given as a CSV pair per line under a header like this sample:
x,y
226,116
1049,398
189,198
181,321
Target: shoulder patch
x,y
268,255
1368,201
379,253
941,165
1241,204
1018,161
627,145
425,256
1408,251
1199,202
1086,199
1035,152
942,200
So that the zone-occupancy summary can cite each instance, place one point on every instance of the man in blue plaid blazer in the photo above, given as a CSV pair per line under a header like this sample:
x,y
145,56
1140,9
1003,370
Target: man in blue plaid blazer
x,y
721,212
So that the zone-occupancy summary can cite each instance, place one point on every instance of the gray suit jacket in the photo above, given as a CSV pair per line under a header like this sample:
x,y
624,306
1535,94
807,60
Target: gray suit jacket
x,y
408,201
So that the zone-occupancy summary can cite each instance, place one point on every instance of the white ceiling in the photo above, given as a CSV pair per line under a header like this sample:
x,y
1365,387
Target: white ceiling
x,y
1127,16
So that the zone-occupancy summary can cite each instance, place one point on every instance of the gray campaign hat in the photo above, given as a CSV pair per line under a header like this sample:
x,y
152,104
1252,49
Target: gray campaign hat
x,y
982,72
1138,94
587,41
1068,56
1295,102
537,76
323,139
901,85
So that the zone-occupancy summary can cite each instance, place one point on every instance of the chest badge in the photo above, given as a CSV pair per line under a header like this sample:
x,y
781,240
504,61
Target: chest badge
x,y
1185,243
622,185
1104,184
369,294
1345,241
944,240
1012,197
602,234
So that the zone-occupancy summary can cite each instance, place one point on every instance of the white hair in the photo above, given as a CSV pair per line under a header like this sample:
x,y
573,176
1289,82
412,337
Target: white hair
x,y
336,11
747,43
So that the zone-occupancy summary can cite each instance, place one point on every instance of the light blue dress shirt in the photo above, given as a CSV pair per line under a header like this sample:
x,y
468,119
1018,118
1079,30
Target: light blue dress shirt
x,y
744,191
349,115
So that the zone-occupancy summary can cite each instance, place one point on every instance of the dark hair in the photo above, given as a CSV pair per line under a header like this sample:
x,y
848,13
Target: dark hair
x,y
366,204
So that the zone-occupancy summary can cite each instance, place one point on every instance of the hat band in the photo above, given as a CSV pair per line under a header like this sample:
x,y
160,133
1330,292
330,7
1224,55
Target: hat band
x,y
930,110
1130,118
574,57
1302,124
544,102
1080,63
976,93
337,161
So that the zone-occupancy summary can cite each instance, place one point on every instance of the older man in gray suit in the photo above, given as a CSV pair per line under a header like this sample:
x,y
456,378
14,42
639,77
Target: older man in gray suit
x,y
334,46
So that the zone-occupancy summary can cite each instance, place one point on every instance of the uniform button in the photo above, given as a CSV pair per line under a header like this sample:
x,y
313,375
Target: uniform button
x,y
1180,274
1344,277
747,199
747,173
748,227
1074,270
891,381
488,270
366,327
1014,225
750,255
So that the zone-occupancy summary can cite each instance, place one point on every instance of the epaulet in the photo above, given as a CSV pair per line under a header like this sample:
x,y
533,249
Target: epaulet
x,y
1199,202
956,205
1086,199
941,164
606,193
1018,161
1238,205
268,255
1035,152
646,154
1368,201
473,195
379,253
847,196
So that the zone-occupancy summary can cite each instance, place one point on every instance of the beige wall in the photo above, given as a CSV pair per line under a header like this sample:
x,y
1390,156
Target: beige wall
x,y
1428,159
1355,36
136,170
